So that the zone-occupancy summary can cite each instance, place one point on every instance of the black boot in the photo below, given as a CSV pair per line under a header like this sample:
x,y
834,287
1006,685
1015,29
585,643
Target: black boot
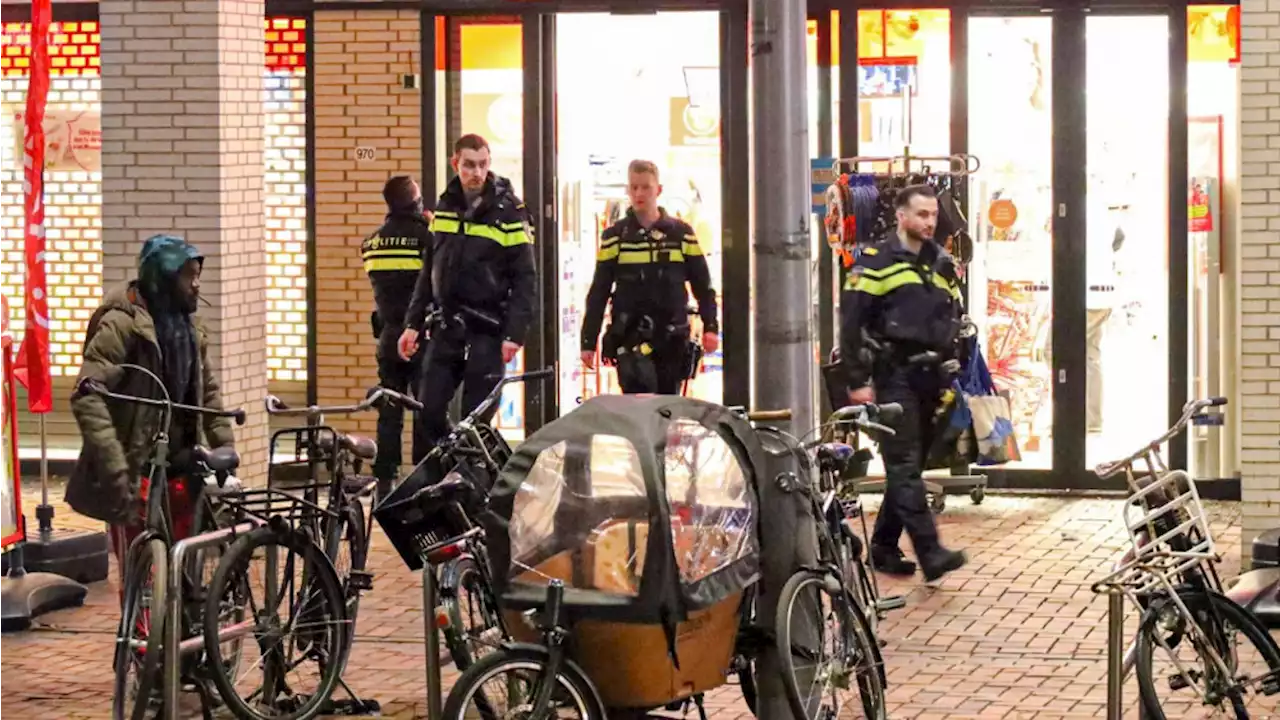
x,y
891,561
940,561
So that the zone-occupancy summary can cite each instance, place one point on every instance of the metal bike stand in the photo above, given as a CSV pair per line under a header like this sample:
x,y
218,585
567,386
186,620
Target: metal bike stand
x,y
431,633
173,650
1115,655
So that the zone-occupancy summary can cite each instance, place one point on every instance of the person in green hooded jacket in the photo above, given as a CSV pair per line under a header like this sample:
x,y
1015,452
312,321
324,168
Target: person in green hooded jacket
x,y
148,322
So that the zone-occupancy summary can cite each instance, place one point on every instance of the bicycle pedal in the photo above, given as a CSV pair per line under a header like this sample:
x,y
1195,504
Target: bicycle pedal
x,y
1271,684
360,581
892,602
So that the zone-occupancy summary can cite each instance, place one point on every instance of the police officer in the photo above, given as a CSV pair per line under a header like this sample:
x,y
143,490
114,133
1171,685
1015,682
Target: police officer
x,y
902,300
477,288
393,258
643,263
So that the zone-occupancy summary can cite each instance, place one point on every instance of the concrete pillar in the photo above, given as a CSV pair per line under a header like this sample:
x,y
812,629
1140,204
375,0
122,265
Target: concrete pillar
x,y
182,120
360,59
783,351
1259,263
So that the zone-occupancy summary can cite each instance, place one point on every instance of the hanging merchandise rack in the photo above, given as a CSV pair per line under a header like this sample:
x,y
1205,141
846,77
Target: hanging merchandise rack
x,y
860,202
859,215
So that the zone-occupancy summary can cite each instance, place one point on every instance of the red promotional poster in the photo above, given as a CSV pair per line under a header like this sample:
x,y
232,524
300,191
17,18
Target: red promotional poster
x,y
33,356
12,531
1199,210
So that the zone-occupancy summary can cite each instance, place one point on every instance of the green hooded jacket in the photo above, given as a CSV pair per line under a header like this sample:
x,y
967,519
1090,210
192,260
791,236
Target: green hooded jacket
x,y
117,435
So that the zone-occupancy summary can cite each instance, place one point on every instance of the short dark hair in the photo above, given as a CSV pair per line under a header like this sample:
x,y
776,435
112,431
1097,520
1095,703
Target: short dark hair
x,y
903,198
399,192
470,141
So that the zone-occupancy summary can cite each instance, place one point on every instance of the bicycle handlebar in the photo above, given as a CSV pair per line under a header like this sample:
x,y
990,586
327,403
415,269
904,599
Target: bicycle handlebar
x,y
496,393
756,416
1189,411
870,416
276,406
89,386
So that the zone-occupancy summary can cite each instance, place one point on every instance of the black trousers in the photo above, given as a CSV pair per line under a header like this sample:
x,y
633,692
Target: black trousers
x,y
666,374
905,506
455,357
394,374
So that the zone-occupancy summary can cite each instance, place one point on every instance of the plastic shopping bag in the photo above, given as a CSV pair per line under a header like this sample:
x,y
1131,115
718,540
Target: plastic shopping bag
x,y
993,429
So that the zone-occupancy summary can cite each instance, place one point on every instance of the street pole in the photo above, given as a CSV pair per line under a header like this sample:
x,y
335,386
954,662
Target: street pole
x,y
783,350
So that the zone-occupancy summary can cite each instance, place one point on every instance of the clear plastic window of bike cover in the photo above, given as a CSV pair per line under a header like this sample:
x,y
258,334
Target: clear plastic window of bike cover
x,y
712,509
581,516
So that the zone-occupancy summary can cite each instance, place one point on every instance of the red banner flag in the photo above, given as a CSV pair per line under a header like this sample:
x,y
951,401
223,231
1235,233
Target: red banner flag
x,y
32,367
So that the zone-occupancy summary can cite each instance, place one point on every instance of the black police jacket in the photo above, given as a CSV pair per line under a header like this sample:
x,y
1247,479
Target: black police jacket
x,y
910,301
481,260
393,258
645,271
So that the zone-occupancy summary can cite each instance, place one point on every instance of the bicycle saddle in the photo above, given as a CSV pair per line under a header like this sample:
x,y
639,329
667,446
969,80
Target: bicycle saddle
x,y
224,459
1258,591
358,445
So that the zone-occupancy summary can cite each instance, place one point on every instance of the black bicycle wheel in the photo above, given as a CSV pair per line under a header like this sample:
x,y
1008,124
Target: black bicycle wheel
x,y
139,640
350,534
835,627
475,625
523,668
1217,615
309,589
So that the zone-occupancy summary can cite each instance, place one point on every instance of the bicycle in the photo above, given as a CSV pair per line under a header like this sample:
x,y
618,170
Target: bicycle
x,y
857,652
1170,574
146,567
431,520
293,520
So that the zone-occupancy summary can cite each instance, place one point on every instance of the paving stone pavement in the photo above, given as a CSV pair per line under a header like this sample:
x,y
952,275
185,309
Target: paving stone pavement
x,y
1015,634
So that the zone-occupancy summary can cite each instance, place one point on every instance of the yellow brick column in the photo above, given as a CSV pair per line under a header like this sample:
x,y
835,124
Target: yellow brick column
x,y
182,120
360,58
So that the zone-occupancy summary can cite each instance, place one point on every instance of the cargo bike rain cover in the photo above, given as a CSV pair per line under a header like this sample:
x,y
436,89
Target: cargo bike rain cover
x,y
578,500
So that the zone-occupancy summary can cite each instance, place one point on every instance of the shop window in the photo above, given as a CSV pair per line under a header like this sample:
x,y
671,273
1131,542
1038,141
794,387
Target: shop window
x,y
904,85
73,199
73,186
284,196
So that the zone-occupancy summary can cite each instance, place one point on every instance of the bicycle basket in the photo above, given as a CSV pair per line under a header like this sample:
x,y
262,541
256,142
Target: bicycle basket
x,y
431,510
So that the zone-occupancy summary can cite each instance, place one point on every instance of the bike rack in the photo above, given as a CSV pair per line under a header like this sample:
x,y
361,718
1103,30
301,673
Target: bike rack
x,y
173,645
435,685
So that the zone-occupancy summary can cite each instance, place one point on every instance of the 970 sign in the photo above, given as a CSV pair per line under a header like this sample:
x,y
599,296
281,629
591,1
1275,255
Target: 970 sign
x,y
366,154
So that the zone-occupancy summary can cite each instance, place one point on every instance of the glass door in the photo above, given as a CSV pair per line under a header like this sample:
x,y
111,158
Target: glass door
x,y
1011,214
619,101
484,93
1127,239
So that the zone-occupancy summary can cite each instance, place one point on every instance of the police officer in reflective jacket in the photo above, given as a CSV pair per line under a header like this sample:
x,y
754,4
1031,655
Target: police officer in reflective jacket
x,y
393,259
644,262
475,296
900,302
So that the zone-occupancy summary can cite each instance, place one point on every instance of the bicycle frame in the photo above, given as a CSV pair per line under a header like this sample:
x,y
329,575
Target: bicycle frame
x,y
1147,572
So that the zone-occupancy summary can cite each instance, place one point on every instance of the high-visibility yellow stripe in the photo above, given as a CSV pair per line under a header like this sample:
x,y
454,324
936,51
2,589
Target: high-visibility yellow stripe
x,y
505,238
883,281
446,214
392,253
691,247
607,253
641,257
399,263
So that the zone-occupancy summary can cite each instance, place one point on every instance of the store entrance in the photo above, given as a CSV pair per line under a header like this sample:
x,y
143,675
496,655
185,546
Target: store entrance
x,y
620,99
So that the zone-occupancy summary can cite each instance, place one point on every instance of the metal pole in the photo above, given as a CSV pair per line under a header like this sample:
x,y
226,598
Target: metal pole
x,y
784,345
1115,656
783,355
435,706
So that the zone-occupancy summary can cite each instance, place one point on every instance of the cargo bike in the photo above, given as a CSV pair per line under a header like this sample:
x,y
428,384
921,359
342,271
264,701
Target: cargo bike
x,y
599,614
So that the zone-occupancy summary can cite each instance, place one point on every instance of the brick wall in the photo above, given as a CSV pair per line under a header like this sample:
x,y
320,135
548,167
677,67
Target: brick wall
x,y
360,102
182,151
1260,259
